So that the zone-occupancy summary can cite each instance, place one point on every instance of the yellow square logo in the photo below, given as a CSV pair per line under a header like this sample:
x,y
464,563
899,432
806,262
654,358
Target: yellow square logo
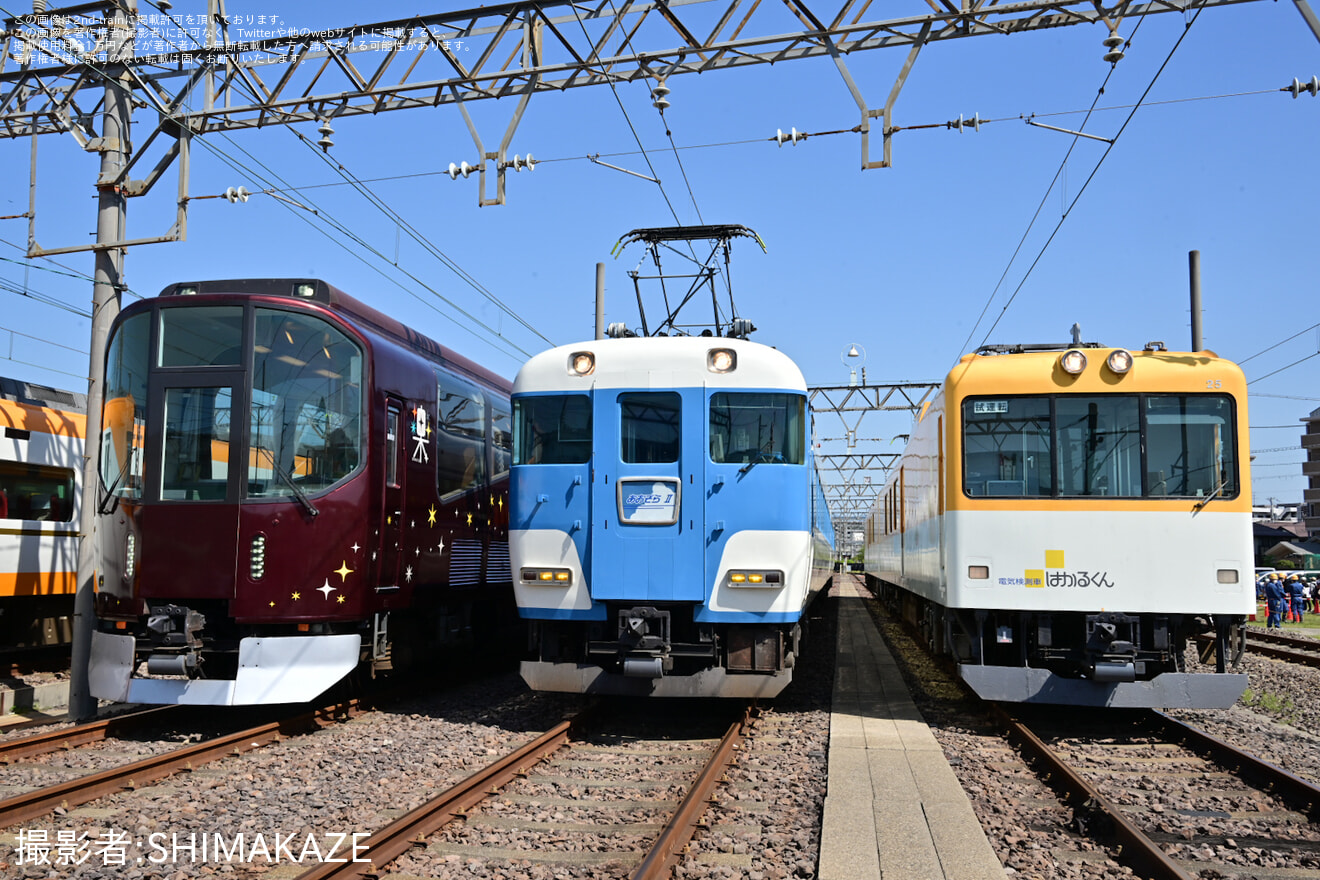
x,y
1054,559
1034,577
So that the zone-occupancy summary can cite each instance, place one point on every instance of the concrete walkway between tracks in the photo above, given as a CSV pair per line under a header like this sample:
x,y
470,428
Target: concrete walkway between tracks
x,y
894,809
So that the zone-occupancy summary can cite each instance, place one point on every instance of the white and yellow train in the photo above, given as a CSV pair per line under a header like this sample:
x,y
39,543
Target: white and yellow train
x,y
41,455
1065,519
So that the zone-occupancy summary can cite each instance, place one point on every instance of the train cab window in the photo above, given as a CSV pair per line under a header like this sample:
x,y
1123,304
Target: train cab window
x,y
1190,446
201,336
305,425
1103,445
1098,443
460,426
35,492
1006,446
650,426
195,466
123,416
552,429
755,427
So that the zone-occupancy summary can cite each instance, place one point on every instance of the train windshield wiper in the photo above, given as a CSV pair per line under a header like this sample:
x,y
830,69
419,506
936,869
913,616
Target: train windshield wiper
x,y
1200,505
288,481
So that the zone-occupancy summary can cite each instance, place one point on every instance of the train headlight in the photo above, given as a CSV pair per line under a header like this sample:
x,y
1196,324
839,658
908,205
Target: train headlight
x,y
761,578
558,577
582,363
721,360
1073,362
1119,361
257,557
304,290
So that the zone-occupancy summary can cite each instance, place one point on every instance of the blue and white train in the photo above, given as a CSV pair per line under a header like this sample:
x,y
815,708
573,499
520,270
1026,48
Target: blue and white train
x,y
667,528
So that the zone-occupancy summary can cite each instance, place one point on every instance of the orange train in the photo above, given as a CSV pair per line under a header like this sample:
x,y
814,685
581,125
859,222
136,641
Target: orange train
x,y
41,455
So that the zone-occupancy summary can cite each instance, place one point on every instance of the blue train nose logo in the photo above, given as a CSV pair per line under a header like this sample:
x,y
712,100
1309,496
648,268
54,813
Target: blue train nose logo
x,y
649,499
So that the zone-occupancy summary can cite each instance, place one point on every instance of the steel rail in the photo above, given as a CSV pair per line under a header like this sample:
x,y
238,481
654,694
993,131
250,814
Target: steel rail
x,y
1273,646
411,829
29,805
1135,848
1293,789
679,829
70,737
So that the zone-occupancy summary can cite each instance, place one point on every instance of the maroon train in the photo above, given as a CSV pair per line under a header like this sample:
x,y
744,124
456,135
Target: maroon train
x,y
293,484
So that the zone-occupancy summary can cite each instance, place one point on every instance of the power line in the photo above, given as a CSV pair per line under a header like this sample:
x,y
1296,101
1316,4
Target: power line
x,y
1108,149
1277,344
1289,367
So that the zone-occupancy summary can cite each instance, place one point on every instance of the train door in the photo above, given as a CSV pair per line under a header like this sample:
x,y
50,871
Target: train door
x,y
391,513
194,450
646,533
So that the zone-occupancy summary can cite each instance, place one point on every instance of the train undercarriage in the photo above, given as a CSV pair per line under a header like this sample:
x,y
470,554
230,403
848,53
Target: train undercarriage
x,y
1101,658
660,650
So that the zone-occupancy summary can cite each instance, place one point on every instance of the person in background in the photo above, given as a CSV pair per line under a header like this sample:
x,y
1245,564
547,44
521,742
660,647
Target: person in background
x,y
1275,597
1295,597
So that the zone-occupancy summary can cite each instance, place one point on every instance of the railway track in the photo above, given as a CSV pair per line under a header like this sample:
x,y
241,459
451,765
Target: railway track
x,y
1281,647
1176,801
83,789
571,798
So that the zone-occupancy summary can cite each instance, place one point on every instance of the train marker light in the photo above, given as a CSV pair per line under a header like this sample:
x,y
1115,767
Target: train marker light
x,y
756,578
1119,361
559,577
978,572
582,363
1072,361
721,360
257,557
1227,576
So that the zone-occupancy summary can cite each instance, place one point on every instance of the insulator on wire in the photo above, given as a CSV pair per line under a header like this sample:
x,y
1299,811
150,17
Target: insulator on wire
x,y
463,168
1298,87
960,123
518,163
658,96
236,194
792,137
325,130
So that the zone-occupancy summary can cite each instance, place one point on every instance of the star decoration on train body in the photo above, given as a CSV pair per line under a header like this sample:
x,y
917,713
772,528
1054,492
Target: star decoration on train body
x,y
430,516
407,574
339,599
343,571
469,519
355,548
325,589
441,547
296,596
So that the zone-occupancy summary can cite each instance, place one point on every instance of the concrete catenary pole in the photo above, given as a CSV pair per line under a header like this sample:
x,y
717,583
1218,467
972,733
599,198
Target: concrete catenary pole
x,y
1194,269
109,274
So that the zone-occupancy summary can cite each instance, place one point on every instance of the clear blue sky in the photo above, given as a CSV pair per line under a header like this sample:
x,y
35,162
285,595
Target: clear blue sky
x,y
902,261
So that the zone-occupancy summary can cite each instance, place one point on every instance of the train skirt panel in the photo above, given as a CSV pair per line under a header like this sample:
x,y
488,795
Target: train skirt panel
x,y
287,669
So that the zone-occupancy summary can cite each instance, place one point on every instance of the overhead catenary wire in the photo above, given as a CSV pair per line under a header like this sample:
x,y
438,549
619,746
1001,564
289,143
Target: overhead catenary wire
x,y
344,230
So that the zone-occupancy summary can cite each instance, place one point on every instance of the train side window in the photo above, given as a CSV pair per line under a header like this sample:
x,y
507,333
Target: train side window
x,y
552,429
35,492
501,432
650,426
460,425
392,448
1007,447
